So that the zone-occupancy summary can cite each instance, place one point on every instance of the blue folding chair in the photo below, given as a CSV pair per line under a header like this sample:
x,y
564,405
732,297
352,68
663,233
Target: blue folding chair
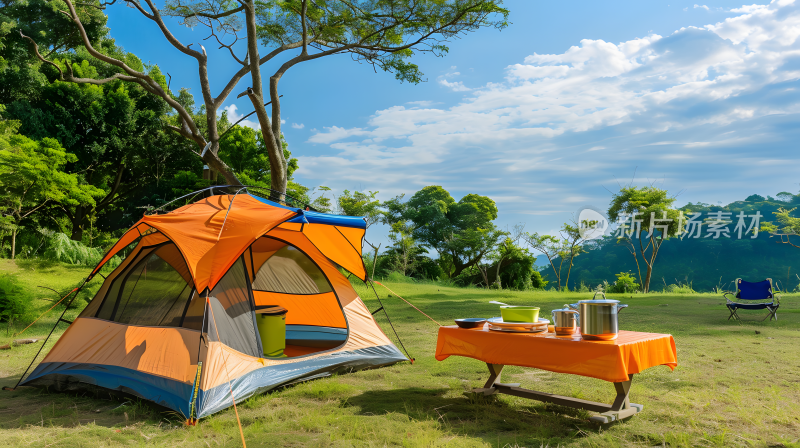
x,y
753,296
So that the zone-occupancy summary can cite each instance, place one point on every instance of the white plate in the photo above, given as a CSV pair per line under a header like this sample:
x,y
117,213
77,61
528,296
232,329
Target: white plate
x,y
497,324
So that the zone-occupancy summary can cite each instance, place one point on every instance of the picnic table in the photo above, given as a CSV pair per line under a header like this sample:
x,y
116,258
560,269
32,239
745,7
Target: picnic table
x,y
613,361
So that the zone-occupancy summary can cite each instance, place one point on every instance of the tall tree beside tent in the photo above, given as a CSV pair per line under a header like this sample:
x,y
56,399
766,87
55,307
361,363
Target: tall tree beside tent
x,y
652,220
114,130
384,34
31,178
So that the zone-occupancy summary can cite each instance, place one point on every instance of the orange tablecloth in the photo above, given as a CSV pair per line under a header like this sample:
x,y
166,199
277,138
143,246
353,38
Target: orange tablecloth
x,y
612,361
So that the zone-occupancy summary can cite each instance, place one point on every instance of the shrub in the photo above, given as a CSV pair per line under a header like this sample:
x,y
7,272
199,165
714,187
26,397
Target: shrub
x,y
62,248
398,277
537,282
680,288
625,284
14,299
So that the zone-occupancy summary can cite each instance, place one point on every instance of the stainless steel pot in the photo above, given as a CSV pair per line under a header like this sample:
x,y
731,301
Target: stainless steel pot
x,y
599,318
565,321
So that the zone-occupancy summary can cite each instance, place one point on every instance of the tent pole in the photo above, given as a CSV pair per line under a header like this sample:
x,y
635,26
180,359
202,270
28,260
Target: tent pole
x,y
371,284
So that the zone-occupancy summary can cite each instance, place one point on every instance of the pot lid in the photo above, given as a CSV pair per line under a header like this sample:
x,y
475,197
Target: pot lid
x,y
564,309
599,301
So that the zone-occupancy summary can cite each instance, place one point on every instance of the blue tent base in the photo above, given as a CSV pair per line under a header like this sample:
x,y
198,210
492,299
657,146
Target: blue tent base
x,y
165,392
176,395
268,378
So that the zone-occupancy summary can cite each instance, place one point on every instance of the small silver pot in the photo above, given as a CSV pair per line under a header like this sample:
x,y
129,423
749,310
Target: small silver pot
x,y
599,318
565,320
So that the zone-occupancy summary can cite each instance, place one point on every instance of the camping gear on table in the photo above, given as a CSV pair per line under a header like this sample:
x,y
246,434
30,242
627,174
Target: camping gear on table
x,y
175,322
754,296
271,323
472,322
598,317
614,361
512,313
565,321
499,324
519,313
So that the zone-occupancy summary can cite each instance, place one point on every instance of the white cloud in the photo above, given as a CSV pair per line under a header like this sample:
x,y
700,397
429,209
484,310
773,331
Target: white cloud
x,y
456,86
234,116
700,6
298,125
700,107
334,133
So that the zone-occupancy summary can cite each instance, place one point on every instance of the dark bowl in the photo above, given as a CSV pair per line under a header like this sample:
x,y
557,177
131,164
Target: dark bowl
x,y
473,322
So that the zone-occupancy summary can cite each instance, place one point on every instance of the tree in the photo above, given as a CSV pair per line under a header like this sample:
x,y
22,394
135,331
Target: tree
x,y
31,177
789,226
107,128
462,232
382,33
405,248
552,248
245,151
358,203
573,243
661,221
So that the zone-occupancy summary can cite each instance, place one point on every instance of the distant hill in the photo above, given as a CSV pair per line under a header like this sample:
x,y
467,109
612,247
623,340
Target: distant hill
x,y
702,262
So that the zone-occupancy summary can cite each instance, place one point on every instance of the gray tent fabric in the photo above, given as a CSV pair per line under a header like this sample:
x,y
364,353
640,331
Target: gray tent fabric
x,y
151,293
233,314
290,271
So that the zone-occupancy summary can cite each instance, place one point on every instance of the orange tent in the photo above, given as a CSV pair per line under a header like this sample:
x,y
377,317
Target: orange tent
x,y
175,321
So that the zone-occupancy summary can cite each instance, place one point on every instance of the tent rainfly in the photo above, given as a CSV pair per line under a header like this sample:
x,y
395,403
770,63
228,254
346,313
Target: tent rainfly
x,y
175,322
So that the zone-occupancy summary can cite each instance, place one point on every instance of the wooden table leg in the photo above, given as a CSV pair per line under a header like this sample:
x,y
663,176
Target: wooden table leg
x,y
621,408
494,374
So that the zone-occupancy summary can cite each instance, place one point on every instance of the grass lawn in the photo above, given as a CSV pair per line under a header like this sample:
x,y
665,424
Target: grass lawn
x,y
736,385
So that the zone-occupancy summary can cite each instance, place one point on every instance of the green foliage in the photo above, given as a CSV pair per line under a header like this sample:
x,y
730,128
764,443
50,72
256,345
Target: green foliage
x,y
384,34
787,227
31,177
62,249
624,284
537,281
244,150
652,219
461,231
679,288
359,203
14,300
649,204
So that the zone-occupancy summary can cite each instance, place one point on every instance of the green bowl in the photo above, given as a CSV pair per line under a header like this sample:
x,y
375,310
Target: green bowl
x,y
520,313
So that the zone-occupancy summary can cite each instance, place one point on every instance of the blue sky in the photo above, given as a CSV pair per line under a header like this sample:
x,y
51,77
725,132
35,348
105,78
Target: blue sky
x,y
550,114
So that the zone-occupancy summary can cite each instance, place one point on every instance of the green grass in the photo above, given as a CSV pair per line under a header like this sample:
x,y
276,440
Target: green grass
x,y
733,387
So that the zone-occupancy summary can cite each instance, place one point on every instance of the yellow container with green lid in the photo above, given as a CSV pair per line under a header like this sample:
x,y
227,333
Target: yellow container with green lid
x,y
271,323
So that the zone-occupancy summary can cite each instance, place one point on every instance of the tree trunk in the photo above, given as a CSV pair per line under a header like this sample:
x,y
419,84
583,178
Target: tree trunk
x,y
277,162
375,259
569,271
646,286
497,280
14,242
77,224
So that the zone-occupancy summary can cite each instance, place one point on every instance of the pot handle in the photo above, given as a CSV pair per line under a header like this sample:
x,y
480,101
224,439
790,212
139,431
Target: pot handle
x,y
599,292
620,307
